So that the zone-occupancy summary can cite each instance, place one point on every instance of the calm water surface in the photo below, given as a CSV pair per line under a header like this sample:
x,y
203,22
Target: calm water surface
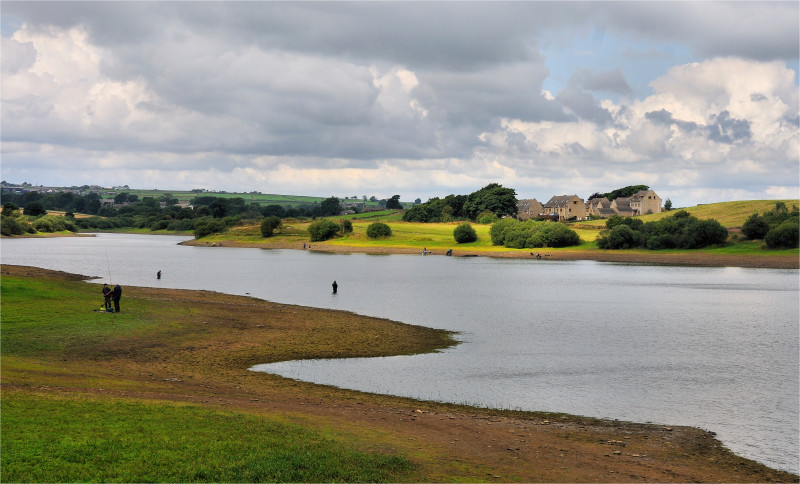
x,y
715,348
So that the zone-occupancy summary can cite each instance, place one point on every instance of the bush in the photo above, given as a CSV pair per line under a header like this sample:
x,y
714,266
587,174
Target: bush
x,y
559,235
496,232
487,218
207,226
620,237
465,233
784,236
346,226
532,234
269,224
755,227
378,230
160,225
322,230
13,226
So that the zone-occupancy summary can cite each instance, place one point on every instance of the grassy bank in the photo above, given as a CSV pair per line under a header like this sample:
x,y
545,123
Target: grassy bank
x,y
160,392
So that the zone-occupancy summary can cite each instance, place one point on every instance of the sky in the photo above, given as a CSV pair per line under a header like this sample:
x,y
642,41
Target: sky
x,y
698,100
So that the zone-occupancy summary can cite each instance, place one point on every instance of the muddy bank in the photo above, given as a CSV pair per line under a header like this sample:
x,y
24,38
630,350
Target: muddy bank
x,y
699,258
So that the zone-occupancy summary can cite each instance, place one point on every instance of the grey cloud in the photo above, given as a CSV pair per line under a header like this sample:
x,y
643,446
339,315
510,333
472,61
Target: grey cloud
x,y
584,105
721,127
725,129
710,29
662,116
16,56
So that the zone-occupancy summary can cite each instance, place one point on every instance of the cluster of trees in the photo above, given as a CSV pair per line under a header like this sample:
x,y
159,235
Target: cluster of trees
x,y
491,198
517,234
210,214
779,227
680,231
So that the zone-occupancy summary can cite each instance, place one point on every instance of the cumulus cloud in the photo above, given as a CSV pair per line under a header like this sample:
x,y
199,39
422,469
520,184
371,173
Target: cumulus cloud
x,y
432,98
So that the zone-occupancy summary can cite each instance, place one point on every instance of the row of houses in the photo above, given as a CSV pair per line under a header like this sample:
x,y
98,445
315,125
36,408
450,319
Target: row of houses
x,y
564,207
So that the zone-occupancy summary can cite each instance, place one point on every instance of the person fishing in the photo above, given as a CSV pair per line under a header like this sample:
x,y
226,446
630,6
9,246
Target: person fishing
x,y
116,294
107,297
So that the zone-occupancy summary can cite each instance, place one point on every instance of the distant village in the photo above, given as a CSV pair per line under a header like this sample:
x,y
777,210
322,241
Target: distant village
x,y
572,207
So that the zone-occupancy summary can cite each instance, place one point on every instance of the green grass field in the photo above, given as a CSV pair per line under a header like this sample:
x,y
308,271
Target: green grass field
x,y
52,331
49,438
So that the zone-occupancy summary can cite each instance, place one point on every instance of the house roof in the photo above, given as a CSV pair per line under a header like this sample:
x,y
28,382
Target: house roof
x,y
560,201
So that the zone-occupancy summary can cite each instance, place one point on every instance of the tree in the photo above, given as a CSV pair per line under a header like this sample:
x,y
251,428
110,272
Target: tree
x,y
667,205
34,209
8,209
417,201
465,233
755,227
494,198
330,206
322,230
269,224
394,203
784,236
378,230
121,197
346,226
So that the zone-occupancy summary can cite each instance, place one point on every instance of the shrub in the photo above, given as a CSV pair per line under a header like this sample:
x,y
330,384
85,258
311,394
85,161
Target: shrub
x,y
377,230
465,233
269,224
784,236
755,227
160,225
322,230
497,231
346,226
487,218
207,226
13,226
620,237
559,235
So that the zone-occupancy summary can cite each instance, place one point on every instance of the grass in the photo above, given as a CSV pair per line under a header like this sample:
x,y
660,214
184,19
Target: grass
x,y
56,439
438,237
54,336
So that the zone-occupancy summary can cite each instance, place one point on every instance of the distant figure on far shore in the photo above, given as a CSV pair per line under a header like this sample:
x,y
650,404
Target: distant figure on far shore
x,y
335,286
158,275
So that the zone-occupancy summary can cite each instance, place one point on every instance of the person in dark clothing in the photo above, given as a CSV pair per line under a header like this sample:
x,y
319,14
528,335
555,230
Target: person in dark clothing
x,y
335,286
107,296
116,294
158,275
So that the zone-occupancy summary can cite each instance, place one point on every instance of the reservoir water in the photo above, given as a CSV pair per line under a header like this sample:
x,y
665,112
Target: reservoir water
x,y
715,348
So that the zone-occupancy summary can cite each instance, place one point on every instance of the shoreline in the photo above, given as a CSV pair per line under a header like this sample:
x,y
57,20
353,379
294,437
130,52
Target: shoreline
x,y
203,361
696,259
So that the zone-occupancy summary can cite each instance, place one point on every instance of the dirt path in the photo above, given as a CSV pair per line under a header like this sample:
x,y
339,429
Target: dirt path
x,y
204,358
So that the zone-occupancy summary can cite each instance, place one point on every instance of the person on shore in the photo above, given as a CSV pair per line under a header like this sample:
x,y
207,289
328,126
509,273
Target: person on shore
x,y
158,275
116,294
107,297
335,287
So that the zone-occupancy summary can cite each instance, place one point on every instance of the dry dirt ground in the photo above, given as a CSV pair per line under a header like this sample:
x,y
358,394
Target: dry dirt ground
x,y
203,360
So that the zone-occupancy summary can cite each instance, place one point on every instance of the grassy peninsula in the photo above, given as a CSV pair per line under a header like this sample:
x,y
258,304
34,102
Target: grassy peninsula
x,y
161,392
412,237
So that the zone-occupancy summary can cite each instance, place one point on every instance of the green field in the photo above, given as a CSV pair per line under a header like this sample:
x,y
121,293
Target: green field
x,y
439,236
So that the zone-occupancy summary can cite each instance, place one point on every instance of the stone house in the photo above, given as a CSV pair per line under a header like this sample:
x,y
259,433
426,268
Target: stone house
x,y
600,207
646,201
566,207
528,209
